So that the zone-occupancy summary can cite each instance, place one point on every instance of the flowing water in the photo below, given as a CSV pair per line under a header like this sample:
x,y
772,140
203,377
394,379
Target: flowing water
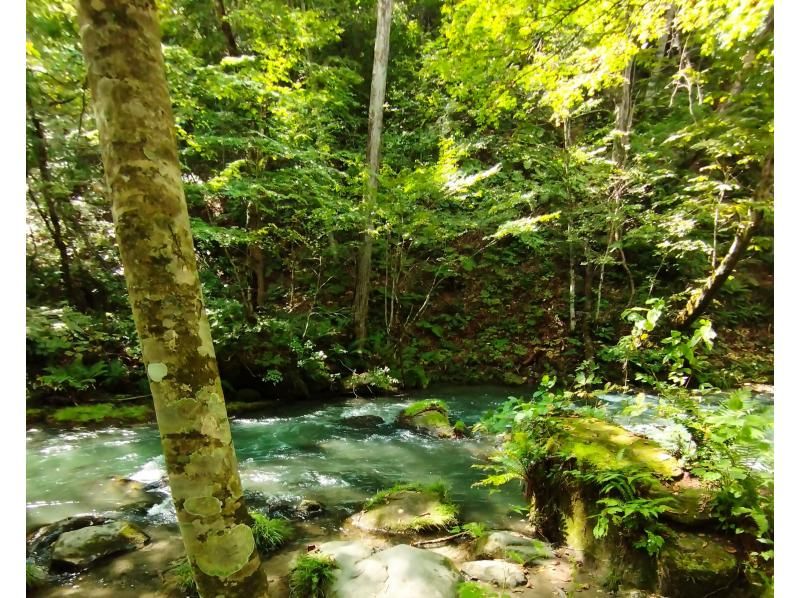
x,y
301,451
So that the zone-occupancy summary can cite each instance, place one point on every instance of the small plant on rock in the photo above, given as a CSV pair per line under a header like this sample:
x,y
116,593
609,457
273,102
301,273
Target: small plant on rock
x,y
270,533
312,576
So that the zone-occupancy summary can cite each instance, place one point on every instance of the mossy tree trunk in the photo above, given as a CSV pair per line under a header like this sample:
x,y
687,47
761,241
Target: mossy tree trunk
x,y
377,94
122,46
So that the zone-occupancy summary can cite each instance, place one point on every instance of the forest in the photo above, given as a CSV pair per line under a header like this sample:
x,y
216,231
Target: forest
x,y
393,298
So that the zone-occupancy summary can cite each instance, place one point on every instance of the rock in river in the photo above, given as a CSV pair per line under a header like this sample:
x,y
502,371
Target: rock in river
x,y
80,548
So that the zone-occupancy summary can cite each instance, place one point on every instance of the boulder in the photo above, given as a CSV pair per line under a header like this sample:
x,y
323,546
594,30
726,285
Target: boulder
x,y
43,538
431,417
500,573
406,509
80,548
397,572
512,545
692,564
363,421
309,508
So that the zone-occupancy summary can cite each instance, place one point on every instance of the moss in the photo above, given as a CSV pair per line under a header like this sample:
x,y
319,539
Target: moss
x,y
429,416
460,429
605,446
102,413
412,507
695,564
270,533
427,405
35,576
312,576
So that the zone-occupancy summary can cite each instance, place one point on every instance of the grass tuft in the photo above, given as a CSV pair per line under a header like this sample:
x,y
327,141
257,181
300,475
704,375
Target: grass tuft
x,y
270,533
311,576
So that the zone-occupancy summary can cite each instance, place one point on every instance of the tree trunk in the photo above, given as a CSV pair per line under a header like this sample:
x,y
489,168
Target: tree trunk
x,y
376,97
122,47
256,259
50,215
230,39
702,297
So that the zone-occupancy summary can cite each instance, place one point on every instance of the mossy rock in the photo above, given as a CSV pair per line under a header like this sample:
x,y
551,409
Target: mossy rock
x,y
103,413
431,417
693,565
409,508
692,505
605,446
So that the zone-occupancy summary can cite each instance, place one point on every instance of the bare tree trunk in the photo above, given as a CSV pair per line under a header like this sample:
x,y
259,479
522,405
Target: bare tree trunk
x,y
377,94
49,214
701,298
122,46
230,39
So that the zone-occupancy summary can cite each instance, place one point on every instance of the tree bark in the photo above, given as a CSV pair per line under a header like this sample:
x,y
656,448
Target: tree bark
x,y
256,259
122,47
50,215
227,31
377,94
701,298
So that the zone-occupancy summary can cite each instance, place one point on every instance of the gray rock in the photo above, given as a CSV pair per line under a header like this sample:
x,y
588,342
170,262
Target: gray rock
x,y
398,572
40,541
80,548
512,545
501,573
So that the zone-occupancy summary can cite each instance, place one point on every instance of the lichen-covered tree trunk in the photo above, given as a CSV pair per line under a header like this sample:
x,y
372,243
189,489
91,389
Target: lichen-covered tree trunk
x,y
122,46
377,94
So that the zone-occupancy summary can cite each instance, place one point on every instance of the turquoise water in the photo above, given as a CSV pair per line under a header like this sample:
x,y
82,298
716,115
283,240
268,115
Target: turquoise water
x,y
301,451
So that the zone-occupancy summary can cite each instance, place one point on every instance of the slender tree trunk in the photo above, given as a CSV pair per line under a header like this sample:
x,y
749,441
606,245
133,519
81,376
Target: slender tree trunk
x,y
701,298
655,74
122,47
230,39
49,214
376,97
619,154
588,275
256,259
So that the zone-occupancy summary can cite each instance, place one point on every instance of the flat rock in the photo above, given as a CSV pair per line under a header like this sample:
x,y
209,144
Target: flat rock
x,y
500,573
405,511
503,544
398,572
81,547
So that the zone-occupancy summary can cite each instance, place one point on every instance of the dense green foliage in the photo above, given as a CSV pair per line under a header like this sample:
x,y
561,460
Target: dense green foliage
x,y
521,209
